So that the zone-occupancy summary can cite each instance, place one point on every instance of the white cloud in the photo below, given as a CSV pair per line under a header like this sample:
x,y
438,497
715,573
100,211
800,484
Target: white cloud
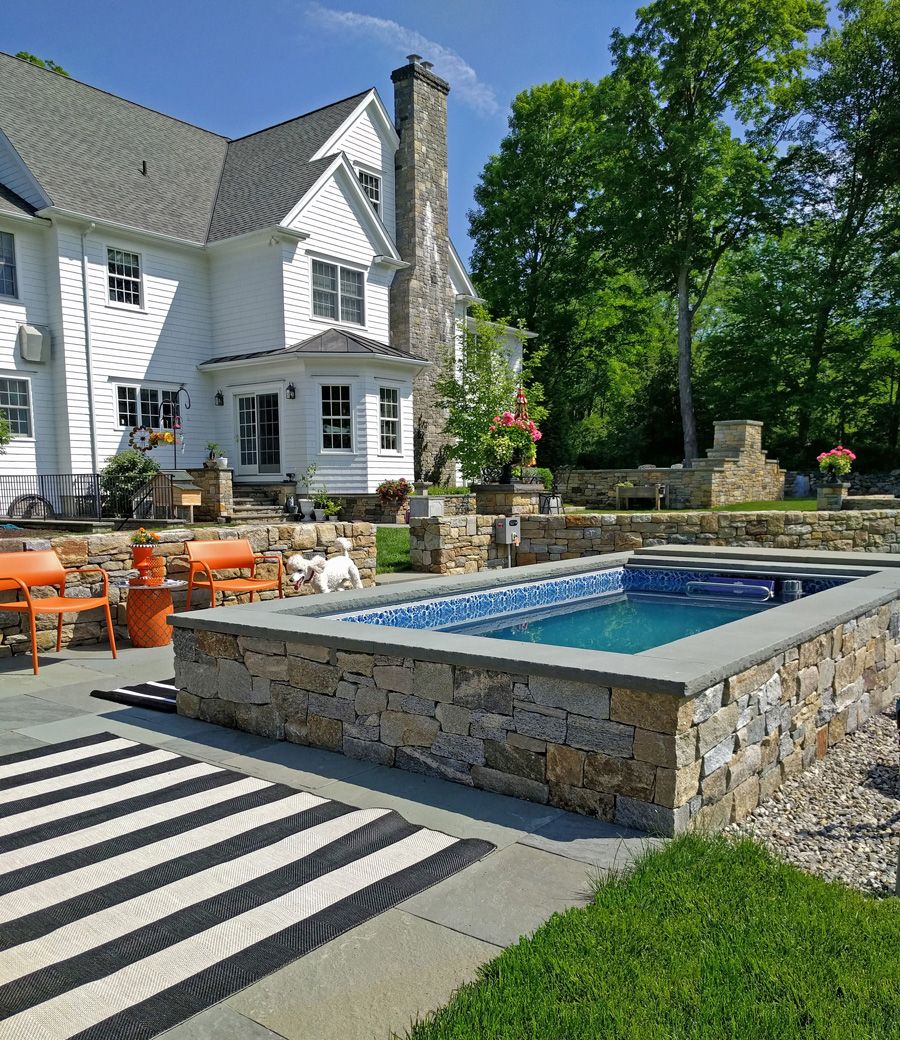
x,y
454,68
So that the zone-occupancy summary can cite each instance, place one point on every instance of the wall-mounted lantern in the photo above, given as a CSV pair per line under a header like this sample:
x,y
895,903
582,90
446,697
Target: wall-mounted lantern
x,y
219,399
290,391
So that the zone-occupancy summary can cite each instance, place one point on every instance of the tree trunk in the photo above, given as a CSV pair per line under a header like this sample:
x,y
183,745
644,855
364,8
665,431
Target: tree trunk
x,y
685,387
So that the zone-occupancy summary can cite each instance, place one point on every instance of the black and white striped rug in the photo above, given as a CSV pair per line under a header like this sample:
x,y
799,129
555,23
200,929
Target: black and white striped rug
x,y
160,696
138,887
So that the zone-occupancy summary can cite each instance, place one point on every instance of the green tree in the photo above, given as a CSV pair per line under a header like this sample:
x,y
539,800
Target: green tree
x,y
5,433
536,256
123,477
476,385
682,185
45,63
848,169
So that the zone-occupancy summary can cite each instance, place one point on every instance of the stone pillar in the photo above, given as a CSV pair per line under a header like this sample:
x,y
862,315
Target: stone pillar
x,y
507,499
216,493
421,303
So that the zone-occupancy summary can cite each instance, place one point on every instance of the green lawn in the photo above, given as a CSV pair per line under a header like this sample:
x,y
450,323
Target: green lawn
x,y
707,939
786,504
392,549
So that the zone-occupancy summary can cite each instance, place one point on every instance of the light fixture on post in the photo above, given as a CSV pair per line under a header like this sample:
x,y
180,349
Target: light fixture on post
x,y
290,391
219,399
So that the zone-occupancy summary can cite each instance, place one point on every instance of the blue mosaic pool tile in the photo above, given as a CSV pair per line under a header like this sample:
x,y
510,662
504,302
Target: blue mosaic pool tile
x,y
455,610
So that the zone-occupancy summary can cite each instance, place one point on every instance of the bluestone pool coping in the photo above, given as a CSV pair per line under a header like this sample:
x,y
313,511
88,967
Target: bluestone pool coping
x,y
684,667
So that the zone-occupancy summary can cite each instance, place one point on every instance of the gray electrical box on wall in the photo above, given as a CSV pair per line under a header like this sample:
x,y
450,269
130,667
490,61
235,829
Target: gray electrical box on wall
x,y
507,530
34,343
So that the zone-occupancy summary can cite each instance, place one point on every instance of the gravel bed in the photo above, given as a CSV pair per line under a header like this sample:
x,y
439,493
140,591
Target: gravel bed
x,y
841,818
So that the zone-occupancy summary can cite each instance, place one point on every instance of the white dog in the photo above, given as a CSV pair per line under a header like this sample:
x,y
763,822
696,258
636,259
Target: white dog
x,y
330,575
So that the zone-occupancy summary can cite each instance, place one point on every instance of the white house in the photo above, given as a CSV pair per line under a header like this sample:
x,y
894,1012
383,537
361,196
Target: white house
x,y
296,286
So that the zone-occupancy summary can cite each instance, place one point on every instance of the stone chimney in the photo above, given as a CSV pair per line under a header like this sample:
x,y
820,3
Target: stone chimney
x,y
422,305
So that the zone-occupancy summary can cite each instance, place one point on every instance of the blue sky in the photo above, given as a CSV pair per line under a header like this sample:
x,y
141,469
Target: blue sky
x,y
235,67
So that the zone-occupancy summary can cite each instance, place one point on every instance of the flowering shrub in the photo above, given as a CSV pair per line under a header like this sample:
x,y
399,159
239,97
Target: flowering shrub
x,y
394,492
144,537
510,439
839,461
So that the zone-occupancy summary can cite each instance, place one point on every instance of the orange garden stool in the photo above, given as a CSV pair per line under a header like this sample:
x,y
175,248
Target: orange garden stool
x,y
205,558
21,572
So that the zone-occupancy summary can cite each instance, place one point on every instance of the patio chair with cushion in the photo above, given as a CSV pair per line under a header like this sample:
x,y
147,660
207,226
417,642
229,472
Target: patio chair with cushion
x,y
205,558
20,572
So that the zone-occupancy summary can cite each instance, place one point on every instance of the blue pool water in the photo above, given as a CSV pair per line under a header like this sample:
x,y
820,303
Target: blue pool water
x,y
624,624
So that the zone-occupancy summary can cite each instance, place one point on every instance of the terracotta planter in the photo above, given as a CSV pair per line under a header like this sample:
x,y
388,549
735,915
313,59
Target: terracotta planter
x,y
151,569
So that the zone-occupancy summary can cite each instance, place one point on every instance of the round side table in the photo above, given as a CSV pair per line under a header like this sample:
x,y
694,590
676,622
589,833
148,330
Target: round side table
x,y
147,609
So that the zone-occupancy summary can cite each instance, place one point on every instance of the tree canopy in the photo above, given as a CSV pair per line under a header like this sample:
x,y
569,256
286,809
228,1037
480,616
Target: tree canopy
x,y
708,231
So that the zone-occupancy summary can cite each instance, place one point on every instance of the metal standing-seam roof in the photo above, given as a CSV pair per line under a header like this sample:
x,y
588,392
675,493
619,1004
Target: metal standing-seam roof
x,y
86,149
331,341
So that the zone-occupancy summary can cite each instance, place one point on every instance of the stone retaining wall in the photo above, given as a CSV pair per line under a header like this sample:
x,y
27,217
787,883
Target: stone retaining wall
x,y
461,545
735,470
112,552
885,483
655,761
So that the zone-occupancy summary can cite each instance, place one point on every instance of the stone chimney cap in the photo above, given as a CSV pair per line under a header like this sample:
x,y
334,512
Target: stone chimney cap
x,y
414,59
427,65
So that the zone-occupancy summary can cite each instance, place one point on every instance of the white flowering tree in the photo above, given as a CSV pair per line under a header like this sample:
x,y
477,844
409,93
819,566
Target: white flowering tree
x,y
477,384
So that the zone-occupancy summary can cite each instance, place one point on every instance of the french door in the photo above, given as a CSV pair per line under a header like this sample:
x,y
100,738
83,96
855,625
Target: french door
x,y
259,433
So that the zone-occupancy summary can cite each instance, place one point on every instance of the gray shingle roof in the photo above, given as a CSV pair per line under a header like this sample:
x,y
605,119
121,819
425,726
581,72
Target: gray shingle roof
x,y
11,203
86,147
331,341
267,173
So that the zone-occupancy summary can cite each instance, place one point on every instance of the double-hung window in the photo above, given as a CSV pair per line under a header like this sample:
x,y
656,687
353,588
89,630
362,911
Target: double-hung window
x,y
338,293
389,417
124,277
337,422
15,403
371,185
146,406
8,285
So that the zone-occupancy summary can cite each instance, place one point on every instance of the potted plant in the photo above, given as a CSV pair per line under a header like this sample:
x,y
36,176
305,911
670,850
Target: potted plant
x,y
306,504
215,459
142,542
511,441
331,507
835,464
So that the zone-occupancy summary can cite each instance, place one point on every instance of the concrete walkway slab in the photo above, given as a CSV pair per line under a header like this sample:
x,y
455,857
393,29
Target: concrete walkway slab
x,y
370,982
443,806
591,841
506,895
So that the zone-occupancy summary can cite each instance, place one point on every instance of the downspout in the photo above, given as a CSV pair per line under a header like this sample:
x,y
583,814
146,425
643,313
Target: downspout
x,y
87,346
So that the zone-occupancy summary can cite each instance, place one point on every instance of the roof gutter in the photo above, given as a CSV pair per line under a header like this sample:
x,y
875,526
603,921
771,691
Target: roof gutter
x,y
25,217
282,356
88,360
50,212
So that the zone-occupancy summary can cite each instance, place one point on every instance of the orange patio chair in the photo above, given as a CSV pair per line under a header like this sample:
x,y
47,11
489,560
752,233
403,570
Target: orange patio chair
x,y
205,558
23,571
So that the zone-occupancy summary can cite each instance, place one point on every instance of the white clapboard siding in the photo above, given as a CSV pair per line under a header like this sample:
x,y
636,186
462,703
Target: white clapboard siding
x,y
26,454
367,146
165,340
337,233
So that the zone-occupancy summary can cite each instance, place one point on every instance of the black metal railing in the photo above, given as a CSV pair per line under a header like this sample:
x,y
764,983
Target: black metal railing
x,y
81,496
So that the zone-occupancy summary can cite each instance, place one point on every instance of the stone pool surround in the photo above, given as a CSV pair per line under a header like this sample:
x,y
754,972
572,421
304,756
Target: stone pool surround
x,y
691,734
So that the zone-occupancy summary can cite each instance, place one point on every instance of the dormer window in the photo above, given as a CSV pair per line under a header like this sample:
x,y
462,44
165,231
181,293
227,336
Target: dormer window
x,y
371,185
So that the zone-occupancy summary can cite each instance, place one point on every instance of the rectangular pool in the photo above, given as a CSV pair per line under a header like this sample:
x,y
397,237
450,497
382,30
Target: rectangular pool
x,y
624,624
623,610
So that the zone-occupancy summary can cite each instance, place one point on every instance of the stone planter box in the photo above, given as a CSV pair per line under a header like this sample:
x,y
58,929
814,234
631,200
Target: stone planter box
x,y
831,497
425,505
507,499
